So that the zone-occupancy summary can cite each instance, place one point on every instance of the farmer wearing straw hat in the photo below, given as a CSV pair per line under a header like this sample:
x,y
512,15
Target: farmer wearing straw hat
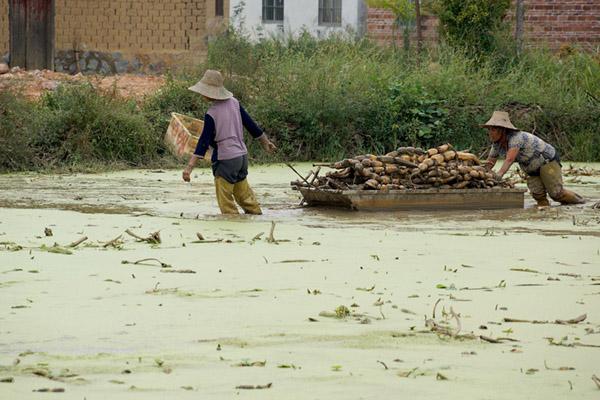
x,y
223,131
537,158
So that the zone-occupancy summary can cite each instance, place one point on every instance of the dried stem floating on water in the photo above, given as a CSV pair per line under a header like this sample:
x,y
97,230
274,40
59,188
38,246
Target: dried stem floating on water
x,y
154,237
178,271
251,387
271,238
576,320
516,320
382,363
113,243
50,390
138,262
434,307
56,249
458,324
247,363
78,242
559,368
258,236
571,321
596,380
441,377
497,340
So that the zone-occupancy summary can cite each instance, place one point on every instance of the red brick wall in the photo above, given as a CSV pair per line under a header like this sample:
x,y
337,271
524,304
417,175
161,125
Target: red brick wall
x,y
380,22
561,22
552,23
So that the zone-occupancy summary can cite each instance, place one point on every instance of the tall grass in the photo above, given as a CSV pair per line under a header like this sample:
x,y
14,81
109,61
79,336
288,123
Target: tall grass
x,y
330,98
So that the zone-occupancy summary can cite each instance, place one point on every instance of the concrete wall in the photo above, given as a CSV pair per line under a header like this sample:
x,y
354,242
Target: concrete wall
x,y
4,37
299,15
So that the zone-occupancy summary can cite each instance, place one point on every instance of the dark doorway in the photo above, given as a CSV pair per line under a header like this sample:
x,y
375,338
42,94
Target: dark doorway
x,y
31,25
219,8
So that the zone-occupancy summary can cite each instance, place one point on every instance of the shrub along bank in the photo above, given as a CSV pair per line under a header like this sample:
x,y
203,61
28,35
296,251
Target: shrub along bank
x,y
319,100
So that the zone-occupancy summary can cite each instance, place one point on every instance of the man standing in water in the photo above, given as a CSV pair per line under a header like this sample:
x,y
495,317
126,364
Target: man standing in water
x,y
538,159
223,131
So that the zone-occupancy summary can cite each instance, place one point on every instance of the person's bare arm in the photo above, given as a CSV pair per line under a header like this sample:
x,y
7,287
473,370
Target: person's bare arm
x,y
190,166
490,163
511,156
266,144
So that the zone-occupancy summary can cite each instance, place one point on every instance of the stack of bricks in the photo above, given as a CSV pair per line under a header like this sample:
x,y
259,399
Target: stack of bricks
x,y
4,33
551,23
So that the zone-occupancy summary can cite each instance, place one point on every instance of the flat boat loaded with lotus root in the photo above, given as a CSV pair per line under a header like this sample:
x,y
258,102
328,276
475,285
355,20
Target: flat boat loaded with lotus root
x,y
406,168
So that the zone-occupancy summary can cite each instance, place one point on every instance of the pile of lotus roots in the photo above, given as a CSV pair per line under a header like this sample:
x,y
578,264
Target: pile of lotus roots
x,y
406,168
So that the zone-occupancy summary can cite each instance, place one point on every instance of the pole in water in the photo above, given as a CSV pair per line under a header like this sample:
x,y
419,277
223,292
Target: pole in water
x,y
298,173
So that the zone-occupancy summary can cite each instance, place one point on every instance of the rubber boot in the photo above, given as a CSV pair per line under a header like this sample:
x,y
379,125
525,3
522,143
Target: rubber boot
x,y
225,200
244,196
542,201
569,197
538,191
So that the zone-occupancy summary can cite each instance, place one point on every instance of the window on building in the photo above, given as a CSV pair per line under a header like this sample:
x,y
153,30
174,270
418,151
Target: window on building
x,y
330,12
219,8
272,11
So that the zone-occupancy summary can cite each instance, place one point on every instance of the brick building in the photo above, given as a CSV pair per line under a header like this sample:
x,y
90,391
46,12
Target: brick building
x,y
551,23
111,36
108,36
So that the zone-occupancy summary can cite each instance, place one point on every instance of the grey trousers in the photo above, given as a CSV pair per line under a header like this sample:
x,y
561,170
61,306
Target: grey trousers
x,y
233,171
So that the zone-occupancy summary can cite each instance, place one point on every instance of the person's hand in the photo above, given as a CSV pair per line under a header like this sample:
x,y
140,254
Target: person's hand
x,y
269,147
186,174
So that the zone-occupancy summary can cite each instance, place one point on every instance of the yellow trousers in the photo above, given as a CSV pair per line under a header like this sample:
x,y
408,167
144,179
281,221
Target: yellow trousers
x,y
550,182
228,194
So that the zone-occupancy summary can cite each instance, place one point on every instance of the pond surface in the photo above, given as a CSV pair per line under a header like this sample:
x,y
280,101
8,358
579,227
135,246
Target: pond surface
x,y
208,319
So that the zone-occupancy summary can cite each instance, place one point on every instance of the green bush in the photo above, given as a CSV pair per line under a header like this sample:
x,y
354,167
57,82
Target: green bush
x,y
82,125
471,24
74,126
16,128
330,98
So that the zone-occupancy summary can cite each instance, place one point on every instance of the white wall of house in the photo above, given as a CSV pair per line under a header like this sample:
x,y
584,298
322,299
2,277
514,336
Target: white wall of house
x,y
300,15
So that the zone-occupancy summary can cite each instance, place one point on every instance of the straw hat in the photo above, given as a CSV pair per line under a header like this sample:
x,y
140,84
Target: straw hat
x,y
500,119
211,86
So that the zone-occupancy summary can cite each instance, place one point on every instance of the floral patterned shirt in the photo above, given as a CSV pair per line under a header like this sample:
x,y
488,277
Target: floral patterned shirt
x,y
533,151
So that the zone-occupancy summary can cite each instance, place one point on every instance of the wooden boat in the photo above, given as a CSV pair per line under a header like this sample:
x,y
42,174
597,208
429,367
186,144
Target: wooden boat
x,y
416,199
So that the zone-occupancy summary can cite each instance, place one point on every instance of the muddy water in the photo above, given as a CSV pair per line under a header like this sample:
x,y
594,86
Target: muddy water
x,y
98,325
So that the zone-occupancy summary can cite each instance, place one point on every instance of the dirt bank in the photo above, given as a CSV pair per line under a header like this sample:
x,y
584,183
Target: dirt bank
x,y
33,84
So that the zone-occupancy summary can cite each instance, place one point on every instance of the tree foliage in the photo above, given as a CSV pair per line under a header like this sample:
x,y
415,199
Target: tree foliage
x,y
404,10
404,15
471,24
